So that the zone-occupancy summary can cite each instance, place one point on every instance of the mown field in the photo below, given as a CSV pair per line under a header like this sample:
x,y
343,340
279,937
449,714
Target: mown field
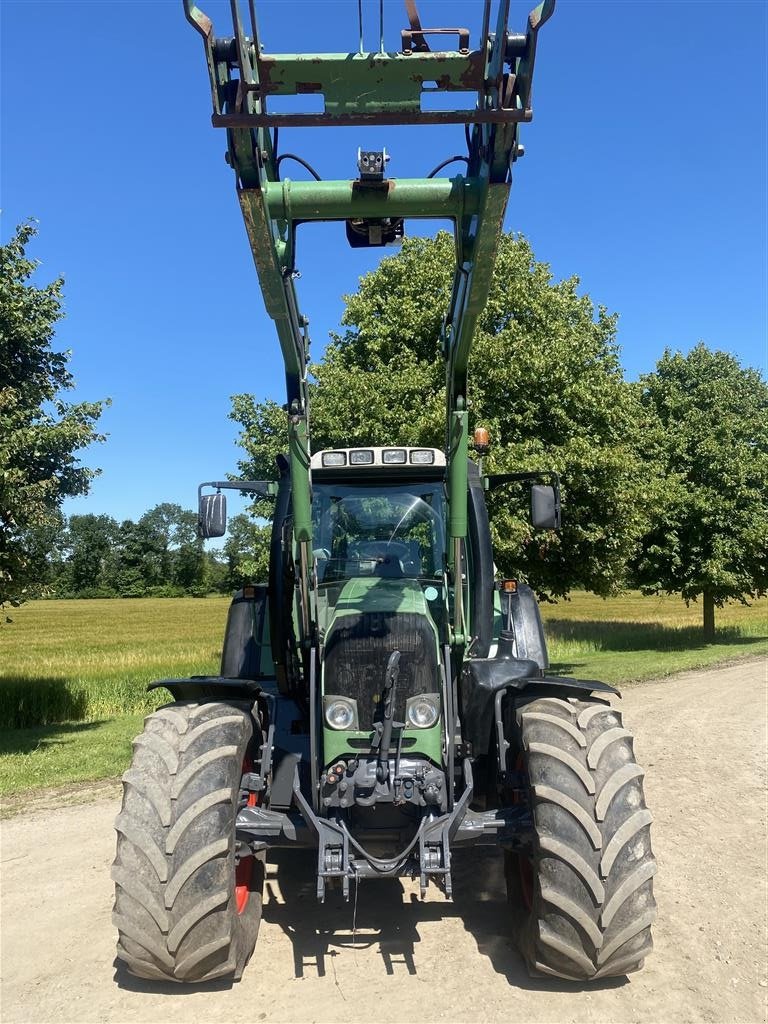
x,y
73,674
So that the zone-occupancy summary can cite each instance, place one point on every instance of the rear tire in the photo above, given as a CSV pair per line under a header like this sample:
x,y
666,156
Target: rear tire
x,y
176,908
591,901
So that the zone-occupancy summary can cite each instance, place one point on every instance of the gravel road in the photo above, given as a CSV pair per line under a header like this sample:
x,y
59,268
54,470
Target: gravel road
x,y
702,740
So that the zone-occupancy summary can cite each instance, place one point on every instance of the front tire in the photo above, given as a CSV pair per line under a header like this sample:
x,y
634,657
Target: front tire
x,y
181,910
591,902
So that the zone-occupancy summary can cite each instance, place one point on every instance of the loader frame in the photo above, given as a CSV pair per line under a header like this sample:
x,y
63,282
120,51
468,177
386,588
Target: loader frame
x,y
366,88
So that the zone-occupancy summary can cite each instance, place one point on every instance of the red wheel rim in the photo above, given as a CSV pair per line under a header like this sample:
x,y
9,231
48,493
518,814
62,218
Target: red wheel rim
x,y
244,870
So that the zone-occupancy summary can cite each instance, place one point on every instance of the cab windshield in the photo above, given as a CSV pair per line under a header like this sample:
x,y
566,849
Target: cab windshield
x,y
390,531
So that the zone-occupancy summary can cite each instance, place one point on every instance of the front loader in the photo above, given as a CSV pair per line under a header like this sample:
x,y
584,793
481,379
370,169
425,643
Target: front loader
x,y
384,698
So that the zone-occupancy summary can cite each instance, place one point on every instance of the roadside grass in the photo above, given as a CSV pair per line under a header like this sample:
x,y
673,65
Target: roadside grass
x,y
631,638
73,674
66,753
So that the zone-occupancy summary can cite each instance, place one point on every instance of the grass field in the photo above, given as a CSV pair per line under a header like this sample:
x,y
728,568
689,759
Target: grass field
x,y
88,660
630,638
73,674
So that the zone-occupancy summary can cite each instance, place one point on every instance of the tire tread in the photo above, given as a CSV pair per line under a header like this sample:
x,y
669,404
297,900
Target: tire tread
x,y
175,907
593,865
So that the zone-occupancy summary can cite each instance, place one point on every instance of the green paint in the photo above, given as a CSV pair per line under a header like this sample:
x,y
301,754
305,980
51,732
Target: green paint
x,y
373,89
457,476
428,744
298,449
368,83
434,198
373,594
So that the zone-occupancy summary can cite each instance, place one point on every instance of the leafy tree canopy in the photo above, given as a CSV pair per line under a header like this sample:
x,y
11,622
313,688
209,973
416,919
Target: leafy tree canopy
x,y
40,433
246,550
709,534
88,543
160,555
545,378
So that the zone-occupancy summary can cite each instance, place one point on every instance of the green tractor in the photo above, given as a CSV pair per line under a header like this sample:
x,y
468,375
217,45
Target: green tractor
x,y
384,698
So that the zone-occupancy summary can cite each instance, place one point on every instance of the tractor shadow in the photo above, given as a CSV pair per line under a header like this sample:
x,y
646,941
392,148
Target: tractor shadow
x,y
388,916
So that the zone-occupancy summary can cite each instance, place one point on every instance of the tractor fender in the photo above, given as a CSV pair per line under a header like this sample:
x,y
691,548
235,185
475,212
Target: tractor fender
x,y
210,688
247,653
482,678
527,625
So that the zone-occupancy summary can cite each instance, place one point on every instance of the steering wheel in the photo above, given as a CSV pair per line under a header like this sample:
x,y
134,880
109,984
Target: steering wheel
x,y
396,549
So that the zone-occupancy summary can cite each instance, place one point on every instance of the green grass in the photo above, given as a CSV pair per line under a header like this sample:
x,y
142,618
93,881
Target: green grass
x,y
67,753
90,660
73,674
73,678
631,638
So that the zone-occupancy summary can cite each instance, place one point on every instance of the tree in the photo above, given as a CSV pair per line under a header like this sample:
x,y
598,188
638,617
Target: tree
x,y
90,543
545,378
247,552
40,433
44,550
159,554
189,567
709,533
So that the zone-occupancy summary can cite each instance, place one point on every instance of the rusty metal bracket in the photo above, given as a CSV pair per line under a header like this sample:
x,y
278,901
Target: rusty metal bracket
x,y
410,35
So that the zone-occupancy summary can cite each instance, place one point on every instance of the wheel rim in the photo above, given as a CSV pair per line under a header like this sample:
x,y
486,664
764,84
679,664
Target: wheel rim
x,y
244,869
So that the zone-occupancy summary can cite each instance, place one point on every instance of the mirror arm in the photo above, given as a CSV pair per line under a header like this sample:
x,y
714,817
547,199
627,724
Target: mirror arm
x,y
494,480
264,488
551,478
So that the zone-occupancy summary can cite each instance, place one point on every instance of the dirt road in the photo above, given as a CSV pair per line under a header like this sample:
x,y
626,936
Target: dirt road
x,y
702,739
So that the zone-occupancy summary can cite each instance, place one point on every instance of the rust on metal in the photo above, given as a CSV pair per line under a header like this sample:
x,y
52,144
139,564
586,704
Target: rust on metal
x,y
267,120
408,36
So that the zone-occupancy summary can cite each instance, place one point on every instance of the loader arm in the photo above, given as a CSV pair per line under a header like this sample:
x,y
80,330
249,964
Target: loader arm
x,y
362,89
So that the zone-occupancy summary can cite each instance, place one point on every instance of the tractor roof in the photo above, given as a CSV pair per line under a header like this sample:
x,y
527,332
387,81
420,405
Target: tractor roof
x,y
394,459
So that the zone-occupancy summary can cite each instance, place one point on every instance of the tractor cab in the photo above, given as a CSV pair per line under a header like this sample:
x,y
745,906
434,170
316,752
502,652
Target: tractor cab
x,y
382,586
378,518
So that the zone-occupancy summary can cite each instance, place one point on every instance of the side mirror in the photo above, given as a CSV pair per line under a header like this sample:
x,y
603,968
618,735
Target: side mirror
x,y
212,515
545,507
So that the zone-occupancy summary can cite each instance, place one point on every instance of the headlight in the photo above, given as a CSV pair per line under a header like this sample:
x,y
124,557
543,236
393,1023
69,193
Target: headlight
x,y
423,711
340,712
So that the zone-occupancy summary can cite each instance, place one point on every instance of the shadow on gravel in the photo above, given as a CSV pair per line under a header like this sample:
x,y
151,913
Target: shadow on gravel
x,y
620,635
388,919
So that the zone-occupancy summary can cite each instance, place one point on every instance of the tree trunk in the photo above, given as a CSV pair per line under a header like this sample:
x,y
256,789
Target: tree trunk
x,y
709,616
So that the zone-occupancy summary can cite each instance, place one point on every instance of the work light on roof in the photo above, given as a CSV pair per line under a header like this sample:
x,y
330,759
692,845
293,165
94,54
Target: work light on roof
x,y
422,457
394,456
361,457
334,458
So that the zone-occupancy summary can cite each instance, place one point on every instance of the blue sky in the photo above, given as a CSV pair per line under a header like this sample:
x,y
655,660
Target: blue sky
x,y
644,174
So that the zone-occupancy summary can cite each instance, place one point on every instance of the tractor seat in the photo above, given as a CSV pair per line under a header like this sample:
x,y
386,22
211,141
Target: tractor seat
x,y
389,567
